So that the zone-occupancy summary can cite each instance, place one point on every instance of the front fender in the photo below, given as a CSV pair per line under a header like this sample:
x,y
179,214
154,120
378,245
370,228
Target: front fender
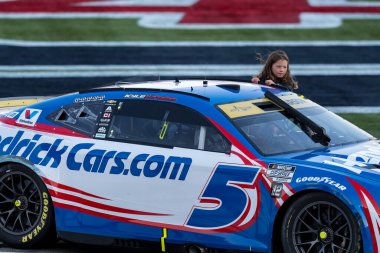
x,y
349,189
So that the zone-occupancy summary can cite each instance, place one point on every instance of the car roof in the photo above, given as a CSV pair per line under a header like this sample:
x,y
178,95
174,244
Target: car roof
x,y
216,91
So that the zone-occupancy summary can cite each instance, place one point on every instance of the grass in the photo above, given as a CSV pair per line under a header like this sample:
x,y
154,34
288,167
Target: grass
x,y
128,30
368,122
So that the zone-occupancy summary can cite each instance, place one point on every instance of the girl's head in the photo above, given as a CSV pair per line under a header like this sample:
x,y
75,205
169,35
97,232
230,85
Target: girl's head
x,y
277,65
276,68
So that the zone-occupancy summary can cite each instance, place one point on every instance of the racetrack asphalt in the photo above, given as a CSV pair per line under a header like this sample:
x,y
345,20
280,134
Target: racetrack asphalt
x,y
133,55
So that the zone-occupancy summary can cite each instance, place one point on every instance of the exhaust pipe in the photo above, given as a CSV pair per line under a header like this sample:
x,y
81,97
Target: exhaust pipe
x,y
196,249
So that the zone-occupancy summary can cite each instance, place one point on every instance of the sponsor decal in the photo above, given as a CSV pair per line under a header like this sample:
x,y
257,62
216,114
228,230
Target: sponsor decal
x,y
102,130
108,109
10,115
103,126
295,101
105,120
369,156
151,97
136,96
281,172
241,109
357,161
29,117
191,13
95,160
89,99
325,180
106,115
252,107
154,97
111,102
98,161
276,190
100,136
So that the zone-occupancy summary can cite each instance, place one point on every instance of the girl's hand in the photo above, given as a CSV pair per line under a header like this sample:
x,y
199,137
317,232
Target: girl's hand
x,y
255,79
269,82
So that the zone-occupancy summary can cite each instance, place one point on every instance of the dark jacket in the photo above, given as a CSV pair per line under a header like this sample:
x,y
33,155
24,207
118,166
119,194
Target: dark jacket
x,y
279,81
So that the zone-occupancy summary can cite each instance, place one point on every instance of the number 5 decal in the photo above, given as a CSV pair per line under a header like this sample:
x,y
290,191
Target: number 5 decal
x,y
229,202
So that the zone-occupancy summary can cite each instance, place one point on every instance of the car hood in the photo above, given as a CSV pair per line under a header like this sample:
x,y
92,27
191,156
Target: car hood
x,y
361,158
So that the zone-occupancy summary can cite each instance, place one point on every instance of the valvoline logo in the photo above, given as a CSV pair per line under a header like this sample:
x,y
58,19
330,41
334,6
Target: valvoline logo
x,y
29,117
29,114
205,13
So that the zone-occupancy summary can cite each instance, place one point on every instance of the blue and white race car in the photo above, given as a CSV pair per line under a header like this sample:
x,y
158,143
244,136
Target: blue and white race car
x,y
200,166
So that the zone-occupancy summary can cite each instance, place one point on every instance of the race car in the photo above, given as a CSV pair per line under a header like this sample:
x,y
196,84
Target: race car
x,y
187,166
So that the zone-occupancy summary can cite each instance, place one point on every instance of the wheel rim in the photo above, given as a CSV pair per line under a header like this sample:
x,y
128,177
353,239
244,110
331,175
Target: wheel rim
x,y
20,203
322,227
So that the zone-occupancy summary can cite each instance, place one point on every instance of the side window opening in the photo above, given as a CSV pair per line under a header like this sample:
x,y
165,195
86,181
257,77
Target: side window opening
x,y
78,117
182,135
63,116
216,142
82,113
165,124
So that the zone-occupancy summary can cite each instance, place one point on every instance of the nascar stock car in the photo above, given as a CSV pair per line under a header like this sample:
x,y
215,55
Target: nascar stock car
x,y
191,165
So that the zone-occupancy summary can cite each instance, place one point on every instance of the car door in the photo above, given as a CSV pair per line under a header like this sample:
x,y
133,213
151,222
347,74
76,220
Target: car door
x,y
158,164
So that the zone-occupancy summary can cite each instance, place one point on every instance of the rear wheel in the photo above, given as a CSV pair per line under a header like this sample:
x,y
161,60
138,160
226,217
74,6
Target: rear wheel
x,y
26,211
320,223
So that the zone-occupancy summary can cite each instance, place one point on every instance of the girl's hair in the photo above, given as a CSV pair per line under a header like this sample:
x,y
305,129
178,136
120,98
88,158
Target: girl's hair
x,y
272,58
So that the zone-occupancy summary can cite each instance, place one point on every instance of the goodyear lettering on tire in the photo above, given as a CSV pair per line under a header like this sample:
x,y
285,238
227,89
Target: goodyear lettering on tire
x,y
41,224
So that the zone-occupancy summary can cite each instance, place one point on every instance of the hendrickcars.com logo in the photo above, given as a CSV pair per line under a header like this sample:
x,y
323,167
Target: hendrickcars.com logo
x,y
85,157
201,14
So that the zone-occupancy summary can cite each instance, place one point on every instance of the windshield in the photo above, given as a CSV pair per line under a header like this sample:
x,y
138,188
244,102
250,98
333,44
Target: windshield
x,y
277,132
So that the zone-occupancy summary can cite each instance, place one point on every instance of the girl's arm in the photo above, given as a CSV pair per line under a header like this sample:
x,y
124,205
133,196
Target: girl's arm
x,y
269,82
255,79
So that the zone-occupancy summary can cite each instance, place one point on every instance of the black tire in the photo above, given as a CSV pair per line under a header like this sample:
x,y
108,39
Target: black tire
x,y
26,210
319,223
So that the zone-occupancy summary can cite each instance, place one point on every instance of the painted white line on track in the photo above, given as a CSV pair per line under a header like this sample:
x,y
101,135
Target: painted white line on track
x,y
354,109
341,3
349,43
140,3
181,70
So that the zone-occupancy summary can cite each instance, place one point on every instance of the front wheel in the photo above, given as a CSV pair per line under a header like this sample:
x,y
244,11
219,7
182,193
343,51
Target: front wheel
x,y
320,223
26,210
